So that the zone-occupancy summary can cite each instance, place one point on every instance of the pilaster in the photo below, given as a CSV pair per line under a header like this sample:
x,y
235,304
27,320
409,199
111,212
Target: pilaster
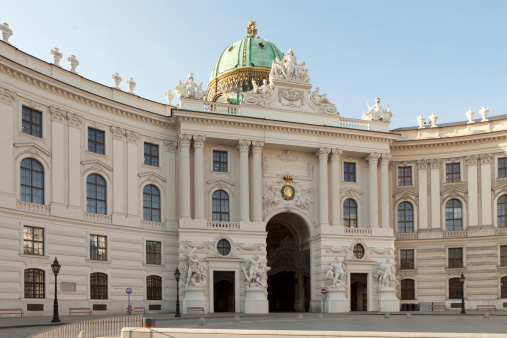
x,y
323,155
384,190
257,180
199,176
58,119
422,167
244,197
335,187
74,155
132,171
473,195
435,193
486,207
372,160
184,145
118,173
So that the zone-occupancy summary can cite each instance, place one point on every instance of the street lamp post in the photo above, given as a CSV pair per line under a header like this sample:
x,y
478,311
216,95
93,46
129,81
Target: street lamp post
x,y
462,280
56,270
177,275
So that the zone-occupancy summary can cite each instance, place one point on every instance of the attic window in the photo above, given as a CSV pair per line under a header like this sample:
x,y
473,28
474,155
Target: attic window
x,y
260,44
231,48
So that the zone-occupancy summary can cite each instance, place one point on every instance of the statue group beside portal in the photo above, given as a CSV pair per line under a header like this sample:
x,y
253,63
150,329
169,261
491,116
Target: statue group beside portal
x,y
336,275
194,274
256,273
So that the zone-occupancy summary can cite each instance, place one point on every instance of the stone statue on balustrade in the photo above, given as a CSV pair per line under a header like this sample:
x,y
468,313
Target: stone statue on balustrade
x,y
256,273
336,275
6,32
73,63
57,56
169,96
190,89
377,113
194,274
322,103
386,275
302,73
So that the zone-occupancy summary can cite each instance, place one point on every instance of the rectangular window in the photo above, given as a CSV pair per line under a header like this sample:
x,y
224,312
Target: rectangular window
x,y
151,154
502,167
96,141
34,283
452,174
404,175
349,172
220,161
33,241
406,259
153,252
503,255
31,122
98,248
455,258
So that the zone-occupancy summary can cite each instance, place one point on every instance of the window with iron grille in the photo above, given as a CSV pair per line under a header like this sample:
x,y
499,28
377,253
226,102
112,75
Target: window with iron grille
x,y
32,181
33,241
455,288
220,161
502,211
96,141
98,248
405,217
503,255
407,289
453,215
98,285
151,203
503,287
407,259
350,213
154,287
502,167
96,194
452,172
151,154
220,207
153,252
349,172
31,122
455,257
34,283
404,175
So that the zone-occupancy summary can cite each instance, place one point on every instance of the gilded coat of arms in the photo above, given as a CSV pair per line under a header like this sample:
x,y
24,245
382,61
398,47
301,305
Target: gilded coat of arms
x,y
288,191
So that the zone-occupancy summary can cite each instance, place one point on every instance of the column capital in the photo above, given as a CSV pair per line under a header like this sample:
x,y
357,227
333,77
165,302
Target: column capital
x,y
372,159
472,159
244,145
57,114
132,136
199,141
422,164
118,133
170,146
385,159
184,140
322,153
74,120
486,158
435,163
257,146
335,154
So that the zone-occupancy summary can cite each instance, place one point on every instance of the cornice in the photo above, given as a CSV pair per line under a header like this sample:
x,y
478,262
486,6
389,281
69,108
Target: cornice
x,y
60,90
455,141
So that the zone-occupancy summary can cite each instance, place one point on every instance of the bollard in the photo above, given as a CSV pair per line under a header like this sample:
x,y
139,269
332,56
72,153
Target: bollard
x,y
409,315
202,321
148,322
300,316
387,315
486,316
321,315
237,319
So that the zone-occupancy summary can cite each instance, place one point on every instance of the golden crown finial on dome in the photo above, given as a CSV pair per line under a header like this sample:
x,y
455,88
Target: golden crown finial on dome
x,y
250,29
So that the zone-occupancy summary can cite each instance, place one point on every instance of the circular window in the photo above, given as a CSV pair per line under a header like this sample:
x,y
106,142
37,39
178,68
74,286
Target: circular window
x,y
358,251
224,247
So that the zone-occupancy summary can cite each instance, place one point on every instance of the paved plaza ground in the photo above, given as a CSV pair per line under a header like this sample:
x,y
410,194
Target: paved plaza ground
x,y
445,322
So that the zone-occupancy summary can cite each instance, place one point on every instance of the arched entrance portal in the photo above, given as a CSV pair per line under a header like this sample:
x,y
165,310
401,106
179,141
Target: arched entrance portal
x,y
288,248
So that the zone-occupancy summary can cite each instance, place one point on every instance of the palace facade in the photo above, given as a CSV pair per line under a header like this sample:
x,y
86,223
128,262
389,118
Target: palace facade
x,y
124,190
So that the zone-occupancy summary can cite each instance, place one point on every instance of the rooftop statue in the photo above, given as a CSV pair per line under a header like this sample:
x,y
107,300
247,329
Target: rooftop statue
x,y
57,56
6,32
377,113
73,62
190,89
131,84
433,120
250,29
116,80
484,113
169,96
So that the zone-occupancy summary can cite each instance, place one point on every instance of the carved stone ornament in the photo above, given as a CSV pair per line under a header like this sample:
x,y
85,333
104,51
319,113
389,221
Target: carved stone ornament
x,y
116,80
335,154
349,252
453,193
57,114
386,275
244,145
194,274
7,95
372,159
250,247
190,89
291,98
273,199
152,178
433,120
6,32
287,156
220,184
420,121
57,56
406,196
118,133
73,62
96,166
336,275
255,273
214,248
257,146
169,96
435,163
132,136
131,84
74,120
472,159
184,140
199,141
484,113
33,150
377,113
384,160
422,164
170,146
486,158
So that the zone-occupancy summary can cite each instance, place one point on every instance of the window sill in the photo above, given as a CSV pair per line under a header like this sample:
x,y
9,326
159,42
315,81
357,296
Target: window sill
x,y
462,268
99,300
33,256
97,261
153,265
94,153
451,183
407,270
35,299
406,186
152,166
220,172
37,138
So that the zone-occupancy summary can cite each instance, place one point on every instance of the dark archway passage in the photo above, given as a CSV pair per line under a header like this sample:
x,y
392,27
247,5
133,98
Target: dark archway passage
x,y
288,256
223,291
359,292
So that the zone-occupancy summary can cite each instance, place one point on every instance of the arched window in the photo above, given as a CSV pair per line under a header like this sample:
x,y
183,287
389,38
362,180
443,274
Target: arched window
x,y
405,217
350,213
453,215
96,194
455,289
220,206
98,285
32,181
34,283
407,289
154,287
502,211
503,287
151,203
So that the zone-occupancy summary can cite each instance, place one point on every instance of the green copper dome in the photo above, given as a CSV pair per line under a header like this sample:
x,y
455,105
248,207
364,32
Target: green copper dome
x,y
248,52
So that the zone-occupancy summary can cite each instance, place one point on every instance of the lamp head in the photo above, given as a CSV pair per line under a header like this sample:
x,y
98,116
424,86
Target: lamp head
x,y
56,267
177,274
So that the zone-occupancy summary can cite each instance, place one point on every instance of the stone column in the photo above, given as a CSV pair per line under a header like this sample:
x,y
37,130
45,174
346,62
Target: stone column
x,y
171,212
8,113
75,161
373,183
184,145
257,180
486,207
199,176
435,193
323,155
58,118
335,187
118,171
422,166
132,179
384,190
244,182
473,195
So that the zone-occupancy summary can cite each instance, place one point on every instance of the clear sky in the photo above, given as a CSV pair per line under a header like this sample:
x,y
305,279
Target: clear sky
x,y
420,57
